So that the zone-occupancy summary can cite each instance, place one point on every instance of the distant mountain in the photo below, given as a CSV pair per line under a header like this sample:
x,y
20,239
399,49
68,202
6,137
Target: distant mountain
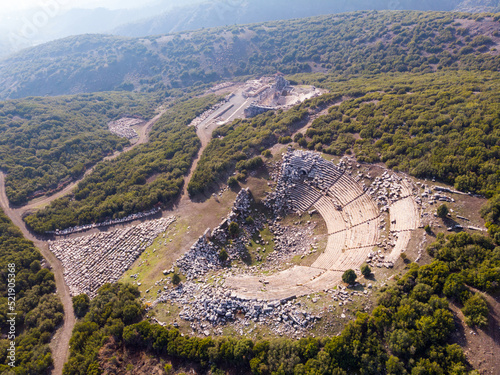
x,y
32,27
224,12
344,44
478,6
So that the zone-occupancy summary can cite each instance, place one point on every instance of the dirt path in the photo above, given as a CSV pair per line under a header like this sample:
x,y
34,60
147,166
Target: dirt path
x,y
205,135
39,203
481,346
60,343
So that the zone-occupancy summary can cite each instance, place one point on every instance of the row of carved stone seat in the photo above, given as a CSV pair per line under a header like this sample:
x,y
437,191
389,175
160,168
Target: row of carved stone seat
x,y
404,215
345,190
334,218
361,210
303,196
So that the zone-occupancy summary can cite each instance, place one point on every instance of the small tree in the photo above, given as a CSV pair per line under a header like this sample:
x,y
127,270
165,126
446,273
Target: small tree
x,y
476,311
366,270
81,304
233,229
232,182
428,229
176,279
223,255
442,211
349,277
267,153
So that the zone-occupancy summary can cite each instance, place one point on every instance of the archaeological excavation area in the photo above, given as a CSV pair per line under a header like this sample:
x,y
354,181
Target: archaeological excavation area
x,y
368,219
353,213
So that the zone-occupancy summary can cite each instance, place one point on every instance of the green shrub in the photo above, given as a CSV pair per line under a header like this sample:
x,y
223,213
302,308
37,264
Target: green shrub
x,y
176,279
476,311
349,277
366,270
81,304
442,211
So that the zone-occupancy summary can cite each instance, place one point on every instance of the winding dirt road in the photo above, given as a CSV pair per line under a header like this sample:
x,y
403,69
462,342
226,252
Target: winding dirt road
x,y
60,342
41,202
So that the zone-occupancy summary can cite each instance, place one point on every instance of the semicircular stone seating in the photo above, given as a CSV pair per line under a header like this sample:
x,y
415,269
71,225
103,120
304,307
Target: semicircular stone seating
x,y
353,221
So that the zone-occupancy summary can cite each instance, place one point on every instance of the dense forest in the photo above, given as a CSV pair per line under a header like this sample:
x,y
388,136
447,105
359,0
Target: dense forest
x,y
344,44
409,331
47,141
202,14
38,309
150,174
442,125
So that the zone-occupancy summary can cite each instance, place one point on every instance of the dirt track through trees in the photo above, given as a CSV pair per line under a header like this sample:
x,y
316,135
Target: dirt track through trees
x,y
60,343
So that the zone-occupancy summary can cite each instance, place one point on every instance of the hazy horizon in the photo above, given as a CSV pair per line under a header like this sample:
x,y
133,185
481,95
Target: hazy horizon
x,y
27,5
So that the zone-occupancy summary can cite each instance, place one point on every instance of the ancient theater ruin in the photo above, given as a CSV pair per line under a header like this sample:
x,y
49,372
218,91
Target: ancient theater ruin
x,y
357,216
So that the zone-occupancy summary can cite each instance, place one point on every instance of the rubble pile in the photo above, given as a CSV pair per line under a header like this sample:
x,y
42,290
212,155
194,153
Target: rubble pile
x,y
91,261
123,127
290,241
203,256
389,188
205,305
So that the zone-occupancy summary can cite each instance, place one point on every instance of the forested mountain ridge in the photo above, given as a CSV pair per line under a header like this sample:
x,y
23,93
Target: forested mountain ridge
x,y
353,43
205,14
46,141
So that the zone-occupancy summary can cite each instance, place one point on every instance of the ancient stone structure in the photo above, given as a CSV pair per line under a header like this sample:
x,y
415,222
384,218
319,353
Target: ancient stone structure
x,y
368,220
353,217
123,127
91,261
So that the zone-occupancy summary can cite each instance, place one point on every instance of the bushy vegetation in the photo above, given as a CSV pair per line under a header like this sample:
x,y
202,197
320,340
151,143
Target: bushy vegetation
x,y
342,44
349,277
48,141
115,306
38,310
470,261
442,125
408,332
475,258
81,304
150,174
234,144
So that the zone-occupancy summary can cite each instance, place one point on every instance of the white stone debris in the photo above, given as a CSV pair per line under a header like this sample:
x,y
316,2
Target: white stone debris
x,y
123,127
91,261
83,228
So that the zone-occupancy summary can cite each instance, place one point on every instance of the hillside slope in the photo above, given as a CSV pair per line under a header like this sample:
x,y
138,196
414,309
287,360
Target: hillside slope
x,y
222,13
352,43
